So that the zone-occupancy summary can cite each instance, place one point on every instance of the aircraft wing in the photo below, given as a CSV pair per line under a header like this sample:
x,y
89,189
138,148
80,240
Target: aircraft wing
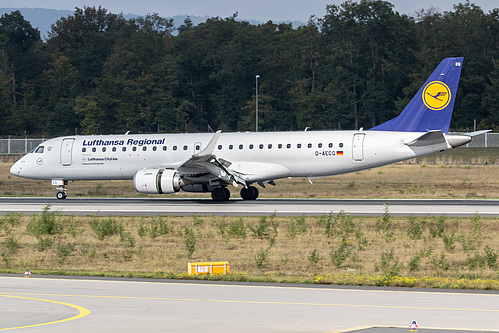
x,y
206,166
205,162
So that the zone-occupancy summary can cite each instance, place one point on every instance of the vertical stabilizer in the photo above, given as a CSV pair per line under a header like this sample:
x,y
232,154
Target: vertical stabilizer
x,y
431,108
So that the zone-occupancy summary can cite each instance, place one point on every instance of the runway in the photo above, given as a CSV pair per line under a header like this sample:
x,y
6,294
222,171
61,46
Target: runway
x,y
93,305
237,207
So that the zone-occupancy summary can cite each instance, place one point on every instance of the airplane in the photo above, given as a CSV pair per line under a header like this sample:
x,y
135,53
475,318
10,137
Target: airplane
x,y
209,162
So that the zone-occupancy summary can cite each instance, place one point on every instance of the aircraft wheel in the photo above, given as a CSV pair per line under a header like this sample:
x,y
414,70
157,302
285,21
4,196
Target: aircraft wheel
x,y
227,193
250,193
61,195
255,193
220,194
246,193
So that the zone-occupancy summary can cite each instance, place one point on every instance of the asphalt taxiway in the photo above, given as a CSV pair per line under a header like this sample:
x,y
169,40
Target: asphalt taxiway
x,y
238,207
119,305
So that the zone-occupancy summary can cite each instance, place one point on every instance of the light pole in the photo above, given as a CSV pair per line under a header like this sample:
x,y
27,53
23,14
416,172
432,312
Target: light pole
x,y
256,118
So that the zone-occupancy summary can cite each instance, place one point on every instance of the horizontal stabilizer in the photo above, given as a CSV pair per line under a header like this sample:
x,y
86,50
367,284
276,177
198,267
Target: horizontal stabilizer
x,y
428,139
472,134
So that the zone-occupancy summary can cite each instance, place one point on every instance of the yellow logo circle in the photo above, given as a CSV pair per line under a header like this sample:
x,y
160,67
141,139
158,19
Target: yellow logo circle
x,y
436,95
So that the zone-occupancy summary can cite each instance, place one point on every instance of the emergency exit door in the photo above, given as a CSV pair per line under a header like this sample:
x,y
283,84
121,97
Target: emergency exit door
x,y
67,152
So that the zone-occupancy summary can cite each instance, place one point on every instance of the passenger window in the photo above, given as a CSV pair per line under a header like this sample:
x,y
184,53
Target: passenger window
x,y
261,146
39,150
270,146
154,148
341,145
219,147
144,148
231,146
134,148
250,146
114,148
320,145
185,147
330,145
83,149
164,147
240,146
288,145
198,147
279,146
309,145
103,149
123,149
298,145
94,149
174,147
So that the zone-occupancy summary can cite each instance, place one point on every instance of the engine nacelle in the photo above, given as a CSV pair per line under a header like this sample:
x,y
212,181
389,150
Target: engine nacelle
x,y
156,181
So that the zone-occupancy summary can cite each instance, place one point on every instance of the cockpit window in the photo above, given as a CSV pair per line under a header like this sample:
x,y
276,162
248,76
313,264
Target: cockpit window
x,y
39,150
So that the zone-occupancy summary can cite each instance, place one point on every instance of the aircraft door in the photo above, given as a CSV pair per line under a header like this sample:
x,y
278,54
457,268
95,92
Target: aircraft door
x,y
358,146
198,146
67,152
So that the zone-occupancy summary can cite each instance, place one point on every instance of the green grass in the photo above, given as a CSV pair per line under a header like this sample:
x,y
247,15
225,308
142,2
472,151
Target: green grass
x,y
332,249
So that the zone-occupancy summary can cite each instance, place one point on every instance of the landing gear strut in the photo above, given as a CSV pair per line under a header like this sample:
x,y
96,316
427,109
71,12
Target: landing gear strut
x,y
220,194
249,193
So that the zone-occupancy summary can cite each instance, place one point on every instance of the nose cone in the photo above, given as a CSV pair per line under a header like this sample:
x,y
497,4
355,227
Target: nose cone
x,y
16,168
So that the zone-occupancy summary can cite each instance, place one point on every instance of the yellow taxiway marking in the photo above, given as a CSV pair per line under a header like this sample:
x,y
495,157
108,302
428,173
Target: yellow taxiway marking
x,y
83,312
264,302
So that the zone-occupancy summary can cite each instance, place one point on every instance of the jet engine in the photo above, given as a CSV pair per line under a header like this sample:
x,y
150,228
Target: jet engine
x,y
157,181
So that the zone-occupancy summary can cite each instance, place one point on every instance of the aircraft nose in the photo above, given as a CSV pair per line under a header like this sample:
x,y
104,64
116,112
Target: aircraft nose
x,y
16,168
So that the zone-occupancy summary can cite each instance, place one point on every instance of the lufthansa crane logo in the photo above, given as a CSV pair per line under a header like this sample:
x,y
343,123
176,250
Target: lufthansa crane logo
x,y
436,95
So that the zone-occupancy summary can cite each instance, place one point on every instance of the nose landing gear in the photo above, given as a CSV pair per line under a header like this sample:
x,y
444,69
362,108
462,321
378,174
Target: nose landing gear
x,y
62,194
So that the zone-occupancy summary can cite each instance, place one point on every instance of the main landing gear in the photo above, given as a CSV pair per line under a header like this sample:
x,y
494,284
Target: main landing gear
x,y
249,193
220,194
223,194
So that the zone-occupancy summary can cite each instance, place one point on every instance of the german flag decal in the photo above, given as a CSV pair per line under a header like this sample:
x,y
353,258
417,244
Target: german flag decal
x,y
339,153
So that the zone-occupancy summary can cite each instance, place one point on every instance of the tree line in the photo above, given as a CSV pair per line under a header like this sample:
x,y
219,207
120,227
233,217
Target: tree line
x,y
358,66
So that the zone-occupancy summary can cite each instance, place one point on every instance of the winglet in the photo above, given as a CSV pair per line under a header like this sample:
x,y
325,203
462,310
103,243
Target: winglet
x,y
210,148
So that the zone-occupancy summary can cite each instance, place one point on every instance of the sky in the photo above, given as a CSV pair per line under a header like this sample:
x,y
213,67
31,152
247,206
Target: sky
x,y
261,10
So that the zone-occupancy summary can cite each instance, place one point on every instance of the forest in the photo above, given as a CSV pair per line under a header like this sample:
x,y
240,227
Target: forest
x,y
358,66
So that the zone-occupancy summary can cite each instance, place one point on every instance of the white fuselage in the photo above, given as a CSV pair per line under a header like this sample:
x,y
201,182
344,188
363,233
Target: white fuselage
x,y
264,155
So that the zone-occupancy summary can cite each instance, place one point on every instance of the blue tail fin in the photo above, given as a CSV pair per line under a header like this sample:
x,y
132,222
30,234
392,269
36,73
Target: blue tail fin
x,y
431,108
